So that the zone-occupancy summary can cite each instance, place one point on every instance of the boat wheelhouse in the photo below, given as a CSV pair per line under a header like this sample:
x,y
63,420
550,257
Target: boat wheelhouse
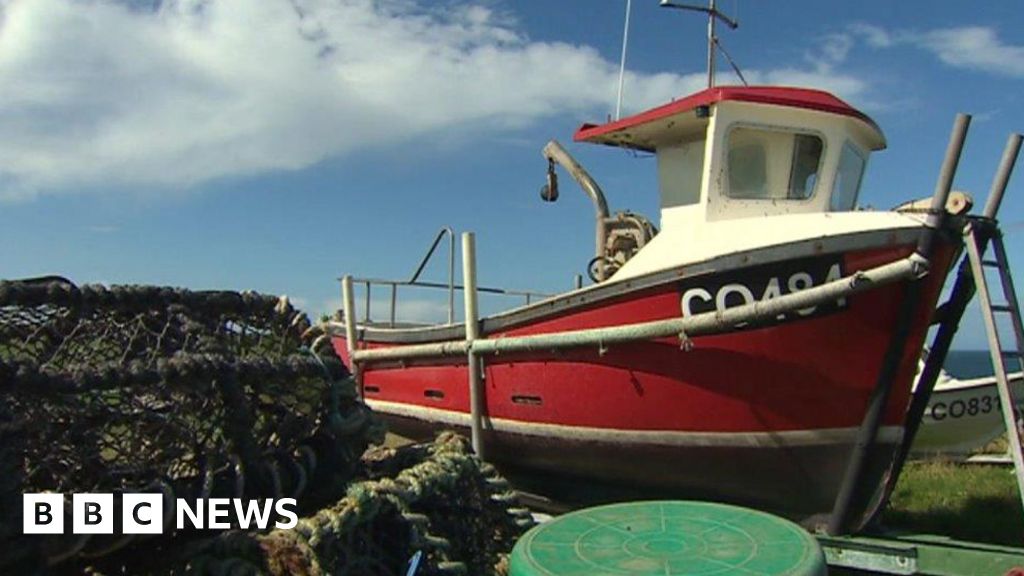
x,y
742,167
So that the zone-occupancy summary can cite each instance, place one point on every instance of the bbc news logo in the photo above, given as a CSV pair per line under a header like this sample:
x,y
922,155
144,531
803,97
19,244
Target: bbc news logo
x,y
144,513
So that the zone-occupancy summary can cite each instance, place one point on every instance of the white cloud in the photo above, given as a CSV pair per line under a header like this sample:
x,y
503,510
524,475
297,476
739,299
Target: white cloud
x,y
875,36
407,309
968,47
423,311
100,93
974,47
833,50
826,58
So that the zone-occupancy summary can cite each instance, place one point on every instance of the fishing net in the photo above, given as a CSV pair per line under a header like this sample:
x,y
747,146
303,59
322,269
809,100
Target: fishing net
x,y
435,503
189,394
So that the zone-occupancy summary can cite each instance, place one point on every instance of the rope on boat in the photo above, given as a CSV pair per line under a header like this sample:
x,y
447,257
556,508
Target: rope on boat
x,y
685,327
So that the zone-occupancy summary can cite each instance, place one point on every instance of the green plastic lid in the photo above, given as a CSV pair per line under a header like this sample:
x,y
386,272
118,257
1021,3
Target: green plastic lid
x,y
667,538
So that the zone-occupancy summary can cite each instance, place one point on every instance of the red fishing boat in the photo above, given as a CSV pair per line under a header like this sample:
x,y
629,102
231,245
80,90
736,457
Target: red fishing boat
x,y
757,346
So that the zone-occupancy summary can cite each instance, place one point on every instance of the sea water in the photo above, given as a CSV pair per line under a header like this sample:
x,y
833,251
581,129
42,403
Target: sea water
x,y
964,364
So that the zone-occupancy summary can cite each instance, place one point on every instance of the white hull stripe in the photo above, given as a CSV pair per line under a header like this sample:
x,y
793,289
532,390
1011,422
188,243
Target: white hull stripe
x,y
669,438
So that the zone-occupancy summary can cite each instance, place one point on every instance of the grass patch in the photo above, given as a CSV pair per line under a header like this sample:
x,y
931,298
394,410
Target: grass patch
x,y
965,501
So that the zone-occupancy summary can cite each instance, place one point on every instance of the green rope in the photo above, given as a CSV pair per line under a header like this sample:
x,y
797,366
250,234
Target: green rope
x,y
441,505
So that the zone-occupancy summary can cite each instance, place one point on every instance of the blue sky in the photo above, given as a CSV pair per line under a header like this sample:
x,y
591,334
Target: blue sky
x,y
275,145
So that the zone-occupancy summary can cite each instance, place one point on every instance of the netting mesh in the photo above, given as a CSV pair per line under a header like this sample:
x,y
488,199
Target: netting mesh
x,y
192,394
54,324
435,500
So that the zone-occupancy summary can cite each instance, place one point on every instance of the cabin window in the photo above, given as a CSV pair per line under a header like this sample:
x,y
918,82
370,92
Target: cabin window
x,y
773,165
679,173
848,178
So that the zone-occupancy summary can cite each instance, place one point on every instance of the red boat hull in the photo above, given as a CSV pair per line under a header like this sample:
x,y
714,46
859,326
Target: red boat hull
x,y
795,474
762,415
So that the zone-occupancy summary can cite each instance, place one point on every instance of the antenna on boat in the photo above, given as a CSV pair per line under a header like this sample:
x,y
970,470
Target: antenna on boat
x,y
622,63
713,43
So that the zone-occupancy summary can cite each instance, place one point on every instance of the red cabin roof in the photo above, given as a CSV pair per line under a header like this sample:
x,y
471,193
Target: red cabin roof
x,y
773,95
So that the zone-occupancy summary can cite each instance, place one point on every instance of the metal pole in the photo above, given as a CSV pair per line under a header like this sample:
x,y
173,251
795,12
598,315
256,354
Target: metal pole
x,y
703,324
451,268
349,304
995,349
622,62
712,13
995,195
366,315
850,487
951,314
711,45
451,276
394,299
1010,293
554,151
578,281
430,252
476,391
937,211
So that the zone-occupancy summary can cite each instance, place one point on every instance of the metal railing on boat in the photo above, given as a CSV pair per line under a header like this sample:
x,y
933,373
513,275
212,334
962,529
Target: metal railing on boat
x,y
414,281
476,345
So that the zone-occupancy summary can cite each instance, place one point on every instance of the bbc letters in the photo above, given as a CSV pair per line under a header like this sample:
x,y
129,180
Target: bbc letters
x,y
96,513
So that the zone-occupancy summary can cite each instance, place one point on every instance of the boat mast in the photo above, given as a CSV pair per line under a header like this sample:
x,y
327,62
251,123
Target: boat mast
x,y
711,44
622,62
713,14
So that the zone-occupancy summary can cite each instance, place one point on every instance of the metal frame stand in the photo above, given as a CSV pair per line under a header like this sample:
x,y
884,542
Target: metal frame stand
x,y
948,316
849,490
477,393
989,310
910,554
348,300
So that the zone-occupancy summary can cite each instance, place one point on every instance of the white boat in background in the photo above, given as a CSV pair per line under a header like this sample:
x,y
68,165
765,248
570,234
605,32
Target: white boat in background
x,y
963,416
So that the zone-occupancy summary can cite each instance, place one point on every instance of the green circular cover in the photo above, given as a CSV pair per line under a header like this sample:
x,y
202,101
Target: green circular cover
x,y
667,538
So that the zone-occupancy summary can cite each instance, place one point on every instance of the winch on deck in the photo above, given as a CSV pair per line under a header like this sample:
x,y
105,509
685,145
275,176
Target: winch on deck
x,y
618,237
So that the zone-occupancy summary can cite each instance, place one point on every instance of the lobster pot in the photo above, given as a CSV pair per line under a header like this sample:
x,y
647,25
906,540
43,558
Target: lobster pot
x,y
191,394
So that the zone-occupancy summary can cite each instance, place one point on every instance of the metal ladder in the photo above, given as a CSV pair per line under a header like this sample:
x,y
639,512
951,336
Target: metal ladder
x,y
976,243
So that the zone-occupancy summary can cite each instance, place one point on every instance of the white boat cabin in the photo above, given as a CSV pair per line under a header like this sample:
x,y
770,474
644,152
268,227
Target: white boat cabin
x,y
740,167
